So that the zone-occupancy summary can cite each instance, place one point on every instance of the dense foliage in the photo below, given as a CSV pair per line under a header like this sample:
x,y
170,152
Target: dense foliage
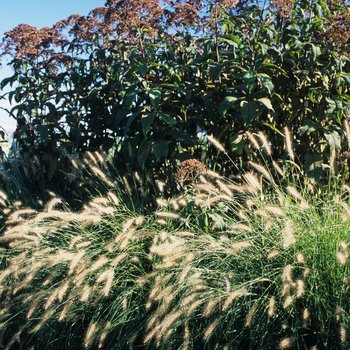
x,y
225,118
148,86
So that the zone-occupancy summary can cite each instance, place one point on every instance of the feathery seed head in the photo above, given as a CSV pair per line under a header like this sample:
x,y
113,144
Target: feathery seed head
x,y
3,195
294,193
118,259
184,273
278,168
65,310
34,306
250,315
253,141
252,182
210,330
161,186
85,294
265,142
210,307
127,185
274,210
289,144
108,277
52,203
112,197
193,307
104,334
240,245
300,286
75,261
343,246
62,290
51,299
99,263
286,343
224,188
300,258
90,334
232,297
288,235
162,202
306,273
216,143
271,307
262,170
101,175
288,302
342,258
347,131
83,244
287,274
343,334
241,227
306,318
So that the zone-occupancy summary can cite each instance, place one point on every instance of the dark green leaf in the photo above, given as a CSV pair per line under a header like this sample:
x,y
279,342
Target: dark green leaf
x,y
316,51
250,80
43,131
313,165
272,68
160,149
50,164
167,118
6,81
131,118
146,123
225,105
121,114
249,110
309,126
229,42
143,153
333,138
182,137
155,95
266,102
215,70
142,69
237,143
130,97
266,83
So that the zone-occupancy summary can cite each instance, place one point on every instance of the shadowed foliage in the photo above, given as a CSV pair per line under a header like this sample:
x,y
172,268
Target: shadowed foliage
x,y
146,82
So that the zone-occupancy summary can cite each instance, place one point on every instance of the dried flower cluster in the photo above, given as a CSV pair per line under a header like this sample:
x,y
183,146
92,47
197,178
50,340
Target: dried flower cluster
x,y
337,32
128,17
25,41
189,169
283,7
125,19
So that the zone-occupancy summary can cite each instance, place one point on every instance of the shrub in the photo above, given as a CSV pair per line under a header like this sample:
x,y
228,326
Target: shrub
x,y
148,91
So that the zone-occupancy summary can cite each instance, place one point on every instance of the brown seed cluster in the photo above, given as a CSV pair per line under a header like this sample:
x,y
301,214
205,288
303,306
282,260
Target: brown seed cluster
x,y
338,31
189,169
132,20
283,7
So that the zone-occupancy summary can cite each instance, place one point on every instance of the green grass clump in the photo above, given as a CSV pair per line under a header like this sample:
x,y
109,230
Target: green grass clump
x,y
253,264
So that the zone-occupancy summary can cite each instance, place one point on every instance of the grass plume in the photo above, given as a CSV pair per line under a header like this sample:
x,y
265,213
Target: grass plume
x,y
238,264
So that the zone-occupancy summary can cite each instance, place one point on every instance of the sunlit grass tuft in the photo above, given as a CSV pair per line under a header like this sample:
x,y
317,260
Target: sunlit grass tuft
x,y
253,264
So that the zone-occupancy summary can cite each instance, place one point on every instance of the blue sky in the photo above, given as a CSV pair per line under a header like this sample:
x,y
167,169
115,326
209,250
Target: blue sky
x,y
37,13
